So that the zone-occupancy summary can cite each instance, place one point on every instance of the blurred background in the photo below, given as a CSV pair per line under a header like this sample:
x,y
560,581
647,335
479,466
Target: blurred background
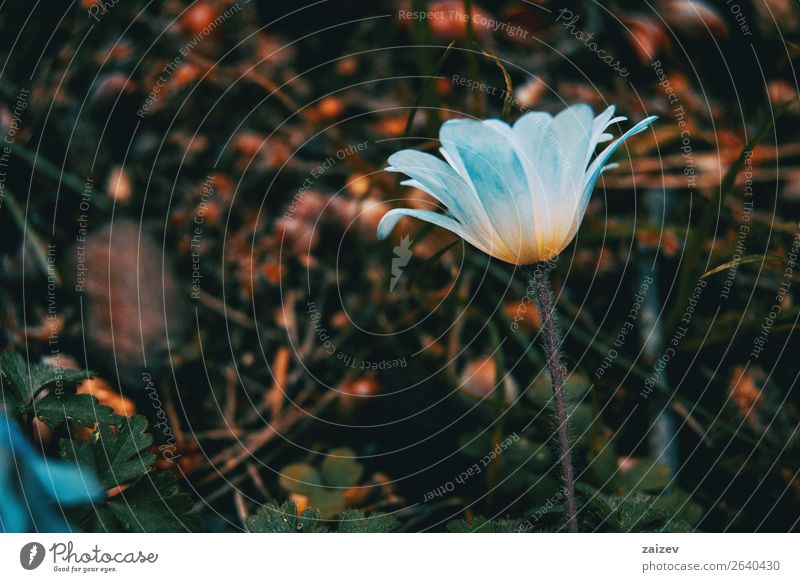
x,y
189,198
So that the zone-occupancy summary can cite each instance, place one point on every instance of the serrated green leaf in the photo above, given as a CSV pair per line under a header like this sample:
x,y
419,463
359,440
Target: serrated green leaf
x,y
637,513
354,521
595,507
152,505
272,518
22,381
483,525
116,455
147,500
307,522
678,504
83,409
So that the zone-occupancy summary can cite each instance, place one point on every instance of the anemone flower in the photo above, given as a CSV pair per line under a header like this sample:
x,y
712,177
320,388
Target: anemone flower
x,y
518,193
34,489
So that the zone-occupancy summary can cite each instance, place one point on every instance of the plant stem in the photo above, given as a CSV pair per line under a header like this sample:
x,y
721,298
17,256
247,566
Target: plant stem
x,y
540,281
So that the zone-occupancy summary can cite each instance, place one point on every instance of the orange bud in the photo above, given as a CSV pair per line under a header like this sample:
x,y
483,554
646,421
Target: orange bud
x,y
108,396
300,501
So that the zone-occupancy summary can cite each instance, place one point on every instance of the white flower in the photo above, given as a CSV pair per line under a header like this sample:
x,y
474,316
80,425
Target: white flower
x,y
516,193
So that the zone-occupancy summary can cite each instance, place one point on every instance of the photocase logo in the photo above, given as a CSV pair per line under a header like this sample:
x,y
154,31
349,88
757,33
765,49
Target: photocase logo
x,y
31,555
402,254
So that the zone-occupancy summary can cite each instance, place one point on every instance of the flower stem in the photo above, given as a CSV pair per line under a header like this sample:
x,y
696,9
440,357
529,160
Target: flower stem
x,y
539,280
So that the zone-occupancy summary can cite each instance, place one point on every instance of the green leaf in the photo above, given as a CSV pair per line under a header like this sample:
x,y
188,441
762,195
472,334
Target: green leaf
x,y
83,409
631,513
638,514
272,518
354,521
678,504
300,478
306,480
483,525
308,521
519,451
116,455
153,505
330,502
20,381
147,500
523,463
595,508
340,469
324,488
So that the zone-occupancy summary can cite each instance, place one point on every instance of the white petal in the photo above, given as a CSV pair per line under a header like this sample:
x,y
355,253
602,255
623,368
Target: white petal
x,y
493,247
574,130
601,122
599,166
533,133
433,176
545,159
489,162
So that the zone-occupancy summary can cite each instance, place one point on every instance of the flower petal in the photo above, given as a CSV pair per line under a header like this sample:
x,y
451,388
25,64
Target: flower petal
x,y
599,163
544,159
432,175
489,162
492,246
573,128
533,133
601,122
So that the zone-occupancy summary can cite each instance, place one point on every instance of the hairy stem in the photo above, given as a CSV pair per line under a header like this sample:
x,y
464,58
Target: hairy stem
x,y
539,280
